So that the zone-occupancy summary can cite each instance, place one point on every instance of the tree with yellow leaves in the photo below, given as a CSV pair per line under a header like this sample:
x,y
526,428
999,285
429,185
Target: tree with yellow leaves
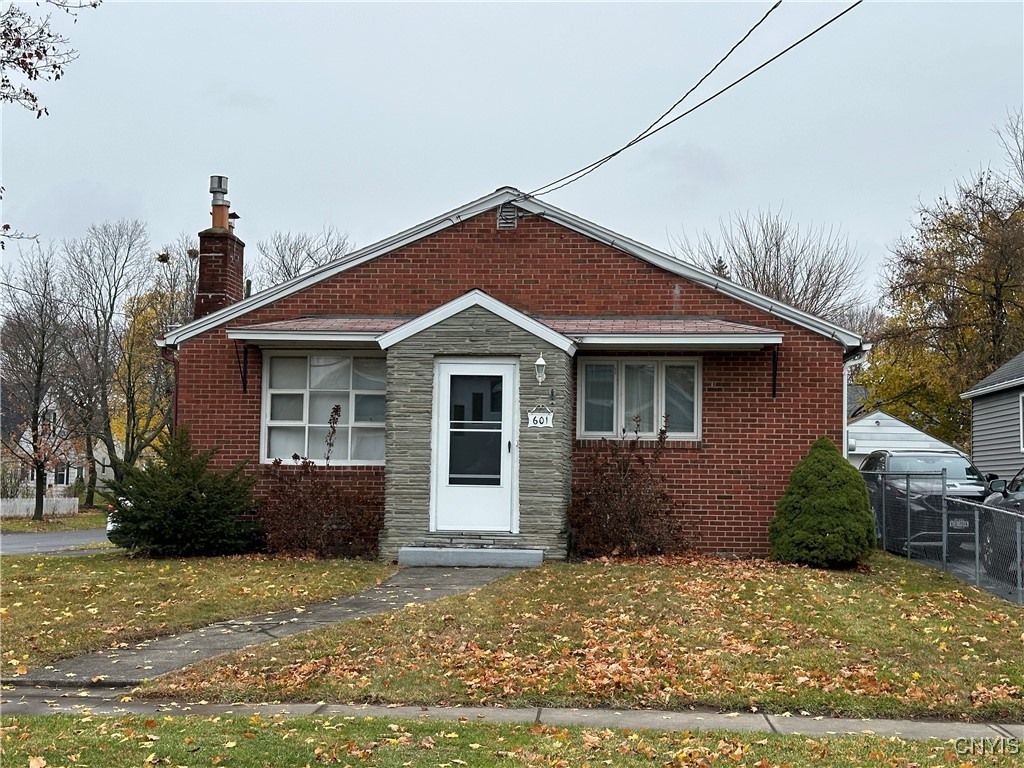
x,y
955,296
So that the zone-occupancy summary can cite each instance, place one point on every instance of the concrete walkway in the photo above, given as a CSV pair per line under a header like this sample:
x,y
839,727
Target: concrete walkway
x,y
134,665
103,682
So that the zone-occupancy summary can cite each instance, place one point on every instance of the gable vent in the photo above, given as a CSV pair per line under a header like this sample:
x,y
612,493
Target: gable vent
x,y
508,216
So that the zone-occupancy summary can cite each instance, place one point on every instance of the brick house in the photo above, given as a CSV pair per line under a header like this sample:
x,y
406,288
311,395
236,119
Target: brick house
x,y
478,355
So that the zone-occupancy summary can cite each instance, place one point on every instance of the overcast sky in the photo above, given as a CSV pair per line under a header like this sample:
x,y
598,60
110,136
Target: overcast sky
x,y
375,117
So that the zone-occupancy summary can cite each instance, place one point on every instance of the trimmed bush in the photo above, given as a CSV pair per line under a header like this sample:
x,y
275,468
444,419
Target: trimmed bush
x,y
306,513
619,502
824,518
309,514
176,506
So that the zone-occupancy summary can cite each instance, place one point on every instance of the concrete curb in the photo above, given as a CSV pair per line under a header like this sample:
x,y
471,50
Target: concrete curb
x,y
117,701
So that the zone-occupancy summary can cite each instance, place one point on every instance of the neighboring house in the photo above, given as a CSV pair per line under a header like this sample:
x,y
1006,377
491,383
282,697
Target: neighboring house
x,y
877,431
479,355
65,465
997,419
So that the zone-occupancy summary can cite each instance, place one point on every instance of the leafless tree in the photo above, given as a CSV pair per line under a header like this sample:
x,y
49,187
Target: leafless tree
x,y
286,255
33,50
109,265
814,269
1011,139
34,430
177,275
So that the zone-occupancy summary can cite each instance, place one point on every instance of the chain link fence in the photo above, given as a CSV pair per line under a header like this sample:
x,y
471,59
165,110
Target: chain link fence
x,y
919,515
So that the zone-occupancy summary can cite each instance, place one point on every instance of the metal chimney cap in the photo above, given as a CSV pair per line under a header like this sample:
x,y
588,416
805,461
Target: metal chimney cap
x,y
219,185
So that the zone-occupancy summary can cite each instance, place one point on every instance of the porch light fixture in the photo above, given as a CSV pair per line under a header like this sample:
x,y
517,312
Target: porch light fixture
x,y
541,367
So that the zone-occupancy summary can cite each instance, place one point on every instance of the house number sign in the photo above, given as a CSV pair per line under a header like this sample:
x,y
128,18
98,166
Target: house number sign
x,y
540,417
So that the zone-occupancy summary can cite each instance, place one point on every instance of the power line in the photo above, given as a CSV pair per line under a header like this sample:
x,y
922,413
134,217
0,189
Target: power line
x,y
62,301
588,169
639,137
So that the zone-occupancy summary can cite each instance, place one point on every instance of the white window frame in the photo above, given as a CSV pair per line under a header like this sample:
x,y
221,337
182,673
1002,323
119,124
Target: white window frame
x,y
619,418
265,423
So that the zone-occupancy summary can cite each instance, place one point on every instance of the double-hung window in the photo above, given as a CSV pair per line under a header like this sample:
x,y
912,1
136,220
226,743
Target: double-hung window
x,y
639,394
300,392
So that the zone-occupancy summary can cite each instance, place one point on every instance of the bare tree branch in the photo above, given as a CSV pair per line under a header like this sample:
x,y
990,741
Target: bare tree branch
x,y
814,269
286,255
33,428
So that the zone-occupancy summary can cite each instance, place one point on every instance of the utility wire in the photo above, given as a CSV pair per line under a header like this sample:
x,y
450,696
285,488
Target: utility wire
x,y
588,169
639,137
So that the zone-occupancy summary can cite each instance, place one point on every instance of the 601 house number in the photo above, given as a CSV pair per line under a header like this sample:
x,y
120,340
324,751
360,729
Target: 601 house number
x,y
540,419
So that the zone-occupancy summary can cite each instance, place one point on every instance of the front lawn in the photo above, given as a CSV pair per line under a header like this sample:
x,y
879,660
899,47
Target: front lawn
x,y
279,742
894,640
81,522
53,607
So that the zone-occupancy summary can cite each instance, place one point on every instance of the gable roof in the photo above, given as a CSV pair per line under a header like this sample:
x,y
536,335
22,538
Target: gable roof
x,y
880,430
508,195
1006,377
477,298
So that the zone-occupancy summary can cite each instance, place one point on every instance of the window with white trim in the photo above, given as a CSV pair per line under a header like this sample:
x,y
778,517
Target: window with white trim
x,y
301,390
617,394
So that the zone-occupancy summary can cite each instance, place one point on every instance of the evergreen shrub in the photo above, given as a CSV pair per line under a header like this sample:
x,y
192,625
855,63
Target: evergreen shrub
x,y
174,505
824,518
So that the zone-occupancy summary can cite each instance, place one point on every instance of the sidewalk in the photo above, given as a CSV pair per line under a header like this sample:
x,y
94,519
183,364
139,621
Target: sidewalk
x,y
102,682
117,702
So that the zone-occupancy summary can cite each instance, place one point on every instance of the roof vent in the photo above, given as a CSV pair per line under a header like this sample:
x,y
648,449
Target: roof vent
x,y
508,216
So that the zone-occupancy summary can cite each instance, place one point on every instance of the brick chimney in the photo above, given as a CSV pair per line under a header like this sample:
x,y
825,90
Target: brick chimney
x,y
220,256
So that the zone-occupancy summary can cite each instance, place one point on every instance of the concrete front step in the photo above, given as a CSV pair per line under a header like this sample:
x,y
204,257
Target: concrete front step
x,y
471,557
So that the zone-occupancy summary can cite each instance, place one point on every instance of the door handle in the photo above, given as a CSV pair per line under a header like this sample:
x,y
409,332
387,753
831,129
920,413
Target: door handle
x,y
510,446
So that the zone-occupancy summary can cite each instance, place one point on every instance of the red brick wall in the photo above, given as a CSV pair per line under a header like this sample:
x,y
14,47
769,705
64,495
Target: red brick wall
x,y
725,487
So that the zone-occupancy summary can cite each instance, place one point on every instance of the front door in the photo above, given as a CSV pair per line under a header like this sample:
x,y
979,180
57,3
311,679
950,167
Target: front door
x,y
474,484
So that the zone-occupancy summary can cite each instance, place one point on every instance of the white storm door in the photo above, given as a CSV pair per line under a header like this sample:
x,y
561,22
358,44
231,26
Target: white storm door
x,y
474,484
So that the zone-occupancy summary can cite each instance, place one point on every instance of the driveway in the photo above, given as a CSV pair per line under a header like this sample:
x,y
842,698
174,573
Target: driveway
x,y
44,543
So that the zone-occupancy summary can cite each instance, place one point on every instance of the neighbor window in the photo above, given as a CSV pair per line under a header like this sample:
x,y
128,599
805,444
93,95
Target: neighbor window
x,y
300,393
639,394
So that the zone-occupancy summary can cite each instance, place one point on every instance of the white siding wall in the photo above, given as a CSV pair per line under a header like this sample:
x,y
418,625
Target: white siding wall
x,y
996,432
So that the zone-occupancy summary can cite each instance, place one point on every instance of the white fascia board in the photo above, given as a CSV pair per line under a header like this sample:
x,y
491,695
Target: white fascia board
x,y
353,259
661,260
477,298
265,337
992,388
848,339
696,341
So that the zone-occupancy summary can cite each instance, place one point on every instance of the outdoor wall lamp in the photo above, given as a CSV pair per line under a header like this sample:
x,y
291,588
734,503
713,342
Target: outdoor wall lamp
x,y
541,367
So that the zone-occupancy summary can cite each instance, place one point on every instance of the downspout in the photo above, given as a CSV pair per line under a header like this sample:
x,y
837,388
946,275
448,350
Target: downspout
x,y
856,357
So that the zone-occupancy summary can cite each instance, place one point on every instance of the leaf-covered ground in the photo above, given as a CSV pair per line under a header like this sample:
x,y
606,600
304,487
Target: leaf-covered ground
x,y
893,640
54,607
255,742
